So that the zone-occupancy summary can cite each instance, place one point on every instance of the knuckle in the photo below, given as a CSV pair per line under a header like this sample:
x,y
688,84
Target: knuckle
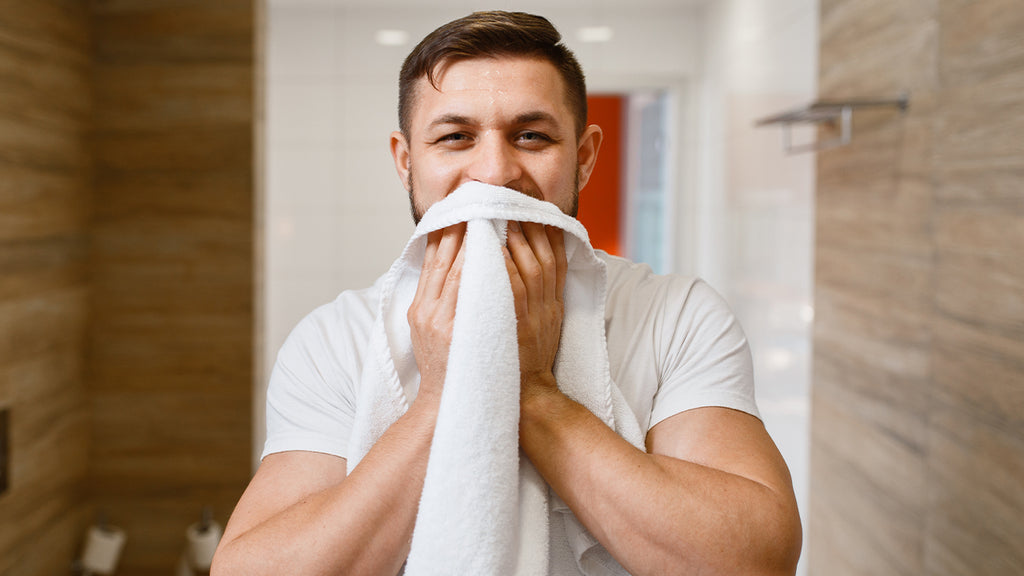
x,y
455,273
435,265
418,316
528,270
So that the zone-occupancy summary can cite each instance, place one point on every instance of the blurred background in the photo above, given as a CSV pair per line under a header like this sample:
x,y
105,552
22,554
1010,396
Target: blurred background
x,y
182,181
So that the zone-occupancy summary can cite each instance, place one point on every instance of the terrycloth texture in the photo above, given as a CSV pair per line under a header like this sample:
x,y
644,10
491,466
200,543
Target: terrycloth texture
x,y
484,510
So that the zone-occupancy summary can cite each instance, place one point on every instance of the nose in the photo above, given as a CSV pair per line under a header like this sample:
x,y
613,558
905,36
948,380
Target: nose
x,y
495,162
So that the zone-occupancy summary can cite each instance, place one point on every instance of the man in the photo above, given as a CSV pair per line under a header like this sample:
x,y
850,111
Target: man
x,y
494,97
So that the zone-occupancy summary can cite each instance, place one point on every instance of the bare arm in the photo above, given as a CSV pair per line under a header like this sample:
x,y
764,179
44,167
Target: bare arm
x,y
302,515
711,495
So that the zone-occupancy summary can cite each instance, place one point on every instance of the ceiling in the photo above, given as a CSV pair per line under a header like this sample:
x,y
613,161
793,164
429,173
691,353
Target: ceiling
x,y
497,4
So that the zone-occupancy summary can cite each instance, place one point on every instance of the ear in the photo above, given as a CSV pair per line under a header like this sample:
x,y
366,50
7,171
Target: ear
x,y
400,153
586,152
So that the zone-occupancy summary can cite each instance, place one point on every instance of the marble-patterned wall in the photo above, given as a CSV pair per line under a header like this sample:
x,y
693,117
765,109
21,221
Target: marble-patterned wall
x,y
45,106
917,456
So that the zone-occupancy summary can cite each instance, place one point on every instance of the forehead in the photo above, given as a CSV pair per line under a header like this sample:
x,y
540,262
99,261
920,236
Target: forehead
x,y
494,86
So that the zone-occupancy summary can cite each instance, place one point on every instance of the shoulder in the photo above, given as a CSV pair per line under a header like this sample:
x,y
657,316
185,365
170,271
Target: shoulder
x,y
349,315
332,337
312,385
635,290
671,306
673,342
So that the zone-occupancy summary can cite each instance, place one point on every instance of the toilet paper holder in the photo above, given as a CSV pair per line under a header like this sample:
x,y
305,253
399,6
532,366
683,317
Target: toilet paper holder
x,y
205,519
102,549
201,540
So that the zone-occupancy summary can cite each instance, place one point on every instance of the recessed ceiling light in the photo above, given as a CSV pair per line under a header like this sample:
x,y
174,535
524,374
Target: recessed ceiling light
x,y
391,37
594,34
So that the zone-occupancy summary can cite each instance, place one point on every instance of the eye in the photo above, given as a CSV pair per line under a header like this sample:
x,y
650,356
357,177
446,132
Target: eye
x,y
532,139
453,140
452,137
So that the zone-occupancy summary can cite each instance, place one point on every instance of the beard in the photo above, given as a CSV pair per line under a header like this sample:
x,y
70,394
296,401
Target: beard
x,y
417,214
572,210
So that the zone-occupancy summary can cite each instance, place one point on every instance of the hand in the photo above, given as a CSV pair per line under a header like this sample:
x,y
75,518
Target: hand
x,y
535,258
432,311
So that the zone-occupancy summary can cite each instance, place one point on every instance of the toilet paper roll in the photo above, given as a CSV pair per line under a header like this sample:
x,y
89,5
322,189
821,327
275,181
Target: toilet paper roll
x,y
103,545
202,544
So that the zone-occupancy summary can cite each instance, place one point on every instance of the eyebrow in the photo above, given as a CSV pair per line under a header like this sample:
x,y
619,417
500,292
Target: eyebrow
x,y
537,116
452,119
524,118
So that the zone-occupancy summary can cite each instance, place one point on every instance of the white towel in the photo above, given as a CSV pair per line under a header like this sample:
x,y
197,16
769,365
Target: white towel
x,y
484,509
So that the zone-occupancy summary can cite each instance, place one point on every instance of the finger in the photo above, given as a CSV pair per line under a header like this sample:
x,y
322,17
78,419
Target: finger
x,y
433,238
540,242
450,291
557,238
526,261
518,288
437,268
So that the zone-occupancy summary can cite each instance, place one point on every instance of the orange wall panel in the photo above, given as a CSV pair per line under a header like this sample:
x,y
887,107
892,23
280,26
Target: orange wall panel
x,y
601,198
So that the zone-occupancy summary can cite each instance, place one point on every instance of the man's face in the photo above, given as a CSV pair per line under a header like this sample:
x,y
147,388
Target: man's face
x,y
501,121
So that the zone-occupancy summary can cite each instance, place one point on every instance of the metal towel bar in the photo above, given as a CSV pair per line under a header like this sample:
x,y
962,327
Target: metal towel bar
x,y
831,112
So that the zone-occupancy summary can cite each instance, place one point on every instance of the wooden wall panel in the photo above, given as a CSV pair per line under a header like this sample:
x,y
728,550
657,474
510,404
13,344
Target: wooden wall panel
x,y
918,402
977,433
126,225
172,268
872,298
45,106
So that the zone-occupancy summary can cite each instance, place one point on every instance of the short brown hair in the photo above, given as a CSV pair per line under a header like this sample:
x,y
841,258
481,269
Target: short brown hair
x,y
491,34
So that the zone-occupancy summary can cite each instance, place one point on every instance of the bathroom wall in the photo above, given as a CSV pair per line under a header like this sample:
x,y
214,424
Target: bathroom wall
x,y
172,268
126,273
754,234
45,107
918,404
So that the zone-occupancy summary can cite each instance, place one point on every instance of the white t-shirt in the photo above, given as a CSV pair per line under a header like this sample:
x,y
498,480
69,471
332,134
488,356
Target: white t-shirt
x,y
673,345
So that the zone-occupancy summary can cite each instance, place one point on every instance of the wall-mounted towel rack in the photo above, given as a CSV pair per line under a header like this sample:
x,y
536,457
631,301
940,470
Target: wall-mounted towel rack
x,y
831,112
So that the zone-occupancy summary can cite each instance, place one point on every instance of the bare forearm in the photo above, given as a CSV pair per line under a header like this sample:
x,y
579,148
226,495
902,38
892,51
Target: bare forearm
x,y
362,525
656,514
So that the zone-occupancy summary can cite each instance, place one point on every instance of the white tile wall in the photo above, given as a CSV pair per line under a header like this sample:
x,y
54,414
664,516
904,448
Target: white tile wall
x,y
337,214
302,41
305,111
761,58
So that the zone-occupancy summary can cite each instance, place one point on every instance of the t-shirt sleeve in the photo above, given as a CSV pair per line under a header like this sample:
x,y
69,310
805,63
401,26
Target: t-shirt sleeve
x,y
705,358
310,393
